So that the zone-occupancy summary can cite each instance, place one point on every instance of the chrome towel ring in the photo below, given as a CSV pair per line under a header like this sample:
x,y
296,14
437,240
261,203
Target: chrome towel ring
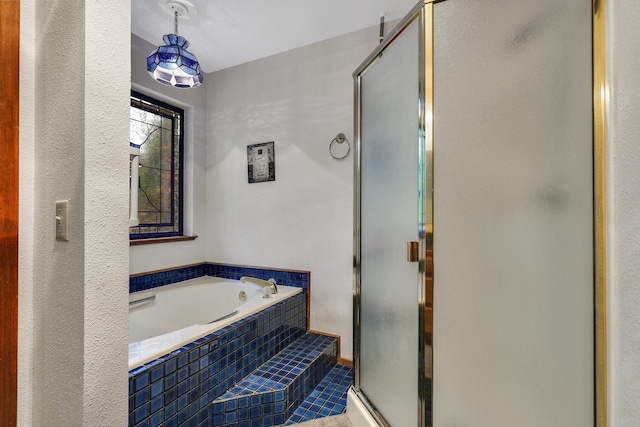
x,y
340,138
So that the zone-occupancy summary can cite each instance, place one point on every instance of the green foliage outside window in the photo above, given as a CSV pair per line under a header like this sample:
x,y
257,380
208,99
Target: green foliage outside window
x,y
157,128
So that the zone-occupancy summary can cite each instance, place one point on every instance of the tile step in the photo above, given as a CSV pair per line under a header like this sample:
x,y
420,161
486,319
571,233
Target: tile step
x,y
271,393
329,398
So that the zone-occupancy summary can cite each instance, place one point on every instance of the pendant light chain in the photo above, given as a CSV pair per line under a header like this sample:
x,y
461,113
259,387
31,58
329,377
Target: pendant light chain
x,y
175,23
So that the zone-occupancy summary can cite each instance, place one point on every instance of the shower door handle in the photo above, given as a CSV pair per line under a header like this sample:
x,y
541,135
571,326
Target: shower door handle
x,y
412,252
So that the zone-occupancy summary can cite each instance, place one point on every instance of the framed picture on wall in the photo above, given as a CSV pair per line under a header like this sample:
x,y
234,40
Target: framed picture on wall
x,y
261,162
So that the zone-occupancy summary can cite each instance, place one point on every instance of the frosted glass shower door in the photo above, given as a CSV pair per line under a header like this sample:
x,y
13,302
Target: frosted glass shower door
x,y
389,219
513,214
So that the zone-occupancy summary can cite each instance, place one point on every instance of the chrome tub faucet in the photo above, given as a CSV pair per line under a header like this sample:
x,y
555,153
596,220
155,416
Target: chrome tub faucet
x,y
269,287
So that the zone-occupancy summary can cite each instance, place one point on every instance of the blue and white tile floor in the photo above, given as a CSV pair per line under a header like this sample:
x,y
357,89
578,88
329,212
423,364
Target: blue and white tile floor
x,y
328,398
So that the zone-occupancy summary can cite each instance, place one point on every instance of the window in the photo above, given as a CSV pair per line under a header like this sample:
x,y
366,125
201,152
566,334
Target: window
x,y
157,129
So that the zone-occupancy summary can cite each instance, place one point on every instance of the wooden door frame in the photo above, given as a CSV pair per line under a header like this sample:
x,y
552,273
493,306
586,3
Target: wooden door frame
x,y
9,138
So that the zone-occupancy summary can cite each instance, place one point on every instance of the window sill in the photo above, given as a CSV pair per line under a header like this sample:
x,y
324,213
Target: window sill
x,y
161,240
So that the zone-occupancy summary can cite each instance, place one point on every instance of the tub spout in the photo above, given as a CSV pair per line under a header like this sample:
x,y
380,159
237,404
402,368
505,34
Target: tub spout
x,y
275,285
270,286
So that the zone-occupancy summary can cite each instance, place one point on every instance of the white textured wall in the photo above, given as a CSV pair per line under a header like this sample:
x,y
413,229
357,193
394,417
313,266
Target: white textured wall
x,y
304,220
624,175
73,295
106,207
165,255
26,207
58,268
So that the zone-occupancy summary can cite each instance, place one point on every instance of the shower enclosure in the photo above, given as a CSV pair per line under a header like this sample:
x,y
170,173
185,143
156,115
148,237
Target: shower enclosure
x,y
478,244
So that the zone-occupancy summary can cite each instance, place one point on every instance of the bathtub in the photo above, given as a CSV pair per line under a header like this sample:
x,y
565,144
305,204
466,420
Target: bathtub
x,y
166,318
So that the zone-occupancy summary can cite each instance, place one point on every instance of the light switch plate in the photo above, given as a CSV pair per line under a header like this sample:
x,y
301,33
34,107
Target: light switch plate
x,y
62,220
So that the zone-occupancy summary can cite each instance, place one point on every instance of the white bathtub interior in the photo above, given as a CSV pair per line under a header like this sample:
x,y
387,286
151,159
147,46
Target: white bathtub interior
x,y
171,316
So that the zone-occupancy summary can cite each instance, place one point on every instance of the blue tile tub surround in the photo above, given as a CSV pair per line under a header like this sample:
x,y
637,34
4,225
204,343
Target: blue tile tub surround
x,y
270,394
328,398
298,279
177,389
145,281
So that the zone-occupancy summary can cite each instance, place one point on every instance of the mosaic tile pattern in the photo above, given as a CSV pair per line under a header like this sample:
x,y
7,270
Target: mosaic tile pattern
x,y
328,398
270,394
177,388
141,282
286,278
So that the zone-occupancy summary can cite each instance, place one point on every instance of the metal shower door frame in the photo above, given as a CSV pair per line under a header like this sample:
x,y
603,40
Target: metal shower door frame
x,y
423,13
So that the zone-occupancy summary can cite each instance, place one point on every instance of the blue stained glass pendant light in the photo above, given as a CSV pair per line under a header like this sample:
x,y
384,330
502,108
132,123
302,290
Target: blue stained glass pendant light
x,y
173,64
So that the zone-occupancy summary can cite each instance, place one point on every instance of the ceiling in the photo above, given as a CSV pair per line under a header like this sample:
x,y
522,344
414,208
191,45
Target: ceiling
x,y
224,33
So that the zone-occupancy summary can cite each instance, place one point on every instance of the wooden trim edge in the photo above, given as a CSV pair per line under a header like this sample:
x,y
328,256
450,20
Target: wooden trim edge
x,y
260,267
345,362
341,360
9,211
138,242
163,270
